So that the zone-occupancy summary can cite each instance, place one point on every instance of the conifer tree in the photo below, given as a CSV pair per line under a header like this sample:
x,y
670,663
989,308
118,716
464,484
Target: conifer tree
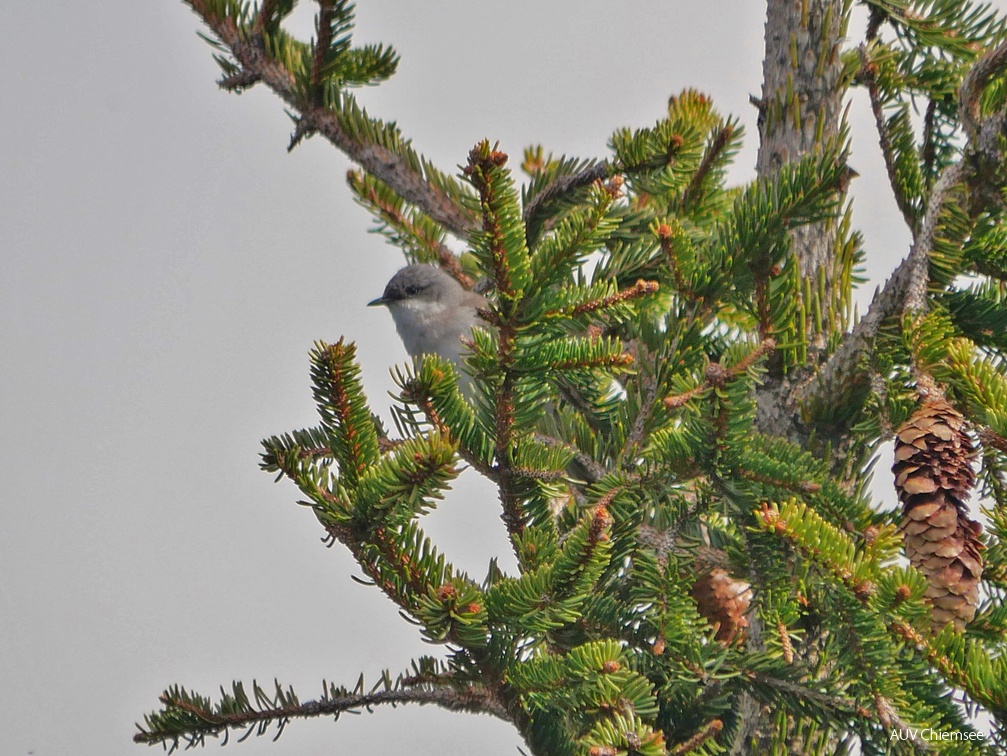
x,y
682,432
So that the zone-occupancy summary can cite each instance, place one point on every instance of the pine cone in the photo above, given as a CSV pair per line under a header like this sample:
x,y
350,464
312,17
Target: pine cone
x,y
724,601
933,476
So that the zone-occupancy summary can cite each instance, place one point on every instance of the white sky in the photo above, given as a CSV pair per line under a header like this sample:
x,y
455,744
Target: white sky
x,y
167,266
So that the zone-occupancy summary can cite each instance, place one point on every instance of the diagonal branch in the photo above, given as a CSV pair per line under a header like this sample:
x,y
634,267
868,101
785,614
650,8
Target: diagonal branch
x,y
387,165
904,291
984,133
391,214
975,80
565,185
868,73
715,149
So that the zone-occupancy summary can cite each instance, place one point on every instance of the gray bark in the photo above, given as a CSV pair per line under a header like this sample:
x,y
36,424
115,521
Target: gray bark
x,y
800,110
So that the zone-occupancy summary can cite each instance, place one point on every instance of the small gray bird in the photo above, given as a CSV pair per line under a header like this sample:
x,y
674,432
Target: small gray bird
x,y
432,313
431,310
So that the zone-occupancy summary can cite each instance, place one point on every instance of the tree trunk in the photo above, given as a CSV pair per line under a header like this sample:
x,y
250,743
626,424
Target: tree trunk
x,y
802,101
800,110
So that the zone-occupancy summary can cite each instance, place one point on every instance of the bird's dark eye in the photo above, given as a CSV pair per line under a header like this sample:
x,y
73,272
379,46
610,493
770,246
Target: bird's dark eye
x,y
413,290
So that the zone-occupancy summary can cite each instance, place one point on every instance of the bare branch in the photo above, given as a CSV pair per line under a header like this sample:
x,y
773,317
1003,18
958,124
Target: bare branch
x,y
984,134
239,81
973,84
869,69
904,291
928,148
874,23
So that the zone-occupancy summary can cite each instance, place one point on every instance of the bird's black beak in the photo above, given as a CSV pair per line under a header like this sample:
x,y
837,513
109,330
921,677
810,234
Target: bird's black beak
x,y
378,302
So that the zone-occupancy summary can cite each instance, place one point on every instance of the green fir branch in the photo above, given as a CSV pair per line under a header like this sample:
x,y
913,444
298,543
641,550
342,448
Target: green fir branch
x,y
954,27
278,61
500,247
188,719
346,418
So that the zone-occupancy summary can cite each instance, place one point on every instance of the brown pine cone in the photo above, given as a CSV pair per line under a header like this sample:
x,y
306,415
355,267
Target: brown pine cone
x,y
933,476
724,601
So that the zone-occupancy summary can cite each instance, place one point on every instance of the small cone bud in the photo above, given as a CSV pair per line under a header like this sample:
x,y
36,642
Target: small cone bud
x,y
933,477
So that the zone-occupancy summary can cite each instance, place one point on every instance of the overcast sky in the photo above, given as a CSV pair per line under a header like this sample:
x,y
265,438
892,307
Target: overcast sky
x,y
166,268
